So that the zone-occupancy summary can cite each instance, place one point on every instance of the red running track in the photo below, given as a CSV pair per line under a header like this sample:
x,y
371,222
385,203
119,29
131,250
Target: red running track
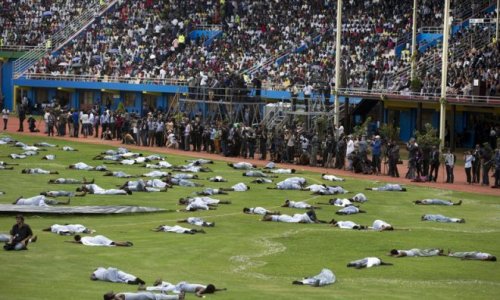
x,y
460,183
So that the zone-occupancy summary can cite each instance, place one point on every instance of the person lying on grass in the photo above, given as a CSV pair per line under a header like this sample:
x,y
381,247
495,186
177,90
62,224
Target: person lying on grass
x,y
436,202
99,240
388,188
68,229
115,275
325,277
39,200
177,229
416,252
473,255
441,219
367,262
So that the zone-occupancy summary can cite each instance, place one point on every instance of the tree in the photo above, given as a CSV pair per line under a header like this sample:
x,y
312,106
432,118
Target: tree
x,y
362,129
428,137
120,108
389,132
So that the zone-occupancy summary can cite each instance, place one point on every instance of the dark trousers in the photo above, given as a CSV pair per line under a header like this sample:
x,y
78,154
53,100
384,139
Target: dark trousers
x,y
75,129
263,151
497,177
468,174
434,172
50,130
393,168
21,124
449,174
476,171
96,129
103,129
376,164
5,123
486,169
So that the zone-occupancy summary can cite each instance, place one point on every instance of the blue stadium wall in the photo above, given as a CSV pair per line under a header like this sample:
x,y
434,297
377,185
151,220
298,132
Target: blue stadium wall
x,y
134,95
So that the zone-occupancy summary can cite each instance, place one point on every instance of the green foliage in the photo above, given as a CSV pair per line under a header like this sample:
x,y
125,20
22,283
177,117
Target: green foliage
x,y
360,130
121,107
428,137
389,132
416,85
321,124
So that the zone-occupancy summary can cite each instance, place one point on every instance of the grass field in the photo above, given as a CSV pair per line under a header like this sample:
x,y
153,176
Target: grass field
x,y
252,259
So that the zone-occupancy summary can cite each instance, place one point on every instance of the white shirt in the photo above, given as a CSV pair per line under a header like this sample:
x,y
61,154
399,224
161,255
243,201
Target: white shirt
x,y
372,261
240,187
5,113
298,204
360,197
346,224
70,228
380,225
98,240
258,210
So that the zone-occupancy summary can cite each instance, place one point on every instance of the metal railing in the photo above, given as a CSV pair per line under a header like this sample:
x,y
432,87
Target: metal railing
x,y
16,48
194,93
422,97
467,9
208,27
433,29
59,39
431,61
106,79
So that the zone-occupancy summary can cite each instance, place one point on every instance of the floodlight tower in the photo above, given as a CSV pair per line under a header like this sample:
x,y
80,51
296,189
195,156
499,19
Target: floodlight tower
x,y
338,55
414,41
498,21
444,73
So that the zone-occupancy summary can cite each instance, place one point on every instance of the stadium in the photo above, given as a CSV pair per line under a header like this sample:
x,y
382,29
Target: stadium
x,y
396,100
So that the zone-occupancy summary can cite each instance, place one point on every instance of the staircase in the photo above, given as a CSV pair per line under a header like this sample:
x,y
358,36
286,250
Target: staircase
x,y
61,37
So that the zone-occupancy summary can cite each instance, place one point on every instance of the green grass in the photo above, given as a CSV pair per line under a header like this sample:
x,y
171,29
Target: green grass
x,y
253,259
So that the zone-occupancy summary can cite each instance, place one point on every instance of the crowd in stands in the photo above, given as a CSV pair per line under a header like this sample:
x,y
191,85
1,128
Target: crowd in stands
x,y
31,22
466,63
150,40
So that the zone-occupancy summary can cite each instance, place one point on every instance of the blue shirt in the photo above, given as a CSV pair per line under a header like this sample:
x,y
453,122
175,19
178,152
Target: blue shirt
x,y
376,147
76,115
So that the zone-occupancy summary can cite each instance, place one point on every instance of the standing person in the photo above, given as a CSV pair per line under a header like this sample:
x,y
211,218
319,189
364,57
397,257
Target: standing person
x,y
104,120
262,139
349,151
449,162
22,117
20,235
187,134
393,154
412,148
315,142
46,120
84,120
376,151
468,160
434,162
476,164
76,123
341,150
51,122
5,117
97,121
487,160
497,168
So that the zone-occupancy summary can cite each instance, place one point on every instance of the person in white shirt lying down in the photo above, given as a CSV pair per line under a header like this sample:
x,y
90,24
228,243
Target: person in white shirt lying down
x,y
299,204
115,275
